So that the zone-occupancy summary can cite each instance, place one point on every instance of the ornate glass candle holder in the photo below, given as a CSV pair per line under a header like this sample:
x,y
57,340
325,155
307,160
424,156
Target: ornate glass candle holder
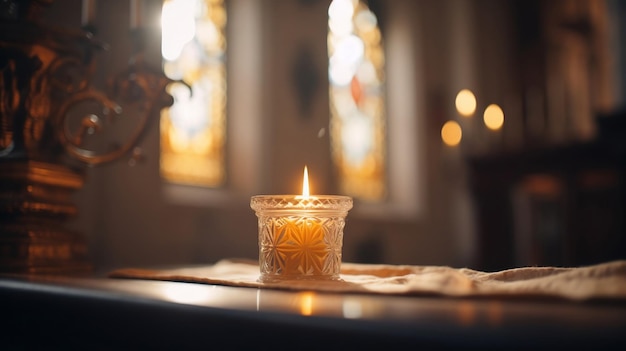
x,y
300,237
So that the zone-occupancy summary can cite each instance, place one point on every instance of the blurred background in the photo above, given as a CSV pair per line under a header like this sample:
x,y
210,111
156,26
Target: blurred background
x,y
485,134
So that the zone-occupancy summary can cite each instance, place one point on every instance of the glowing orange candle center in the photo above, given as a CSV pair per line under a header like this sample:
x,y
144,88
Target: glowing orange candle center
x,y
304,250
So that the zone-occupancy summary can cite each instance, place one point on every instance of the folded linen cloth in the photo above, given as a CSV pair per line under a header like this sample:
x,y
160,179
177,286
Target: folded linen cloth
x,y
600,281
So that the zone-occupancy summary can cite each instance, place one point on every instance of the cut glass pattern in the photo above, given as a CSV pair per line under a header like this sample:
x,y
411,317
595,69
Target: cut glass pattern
x,y
300,238
296,247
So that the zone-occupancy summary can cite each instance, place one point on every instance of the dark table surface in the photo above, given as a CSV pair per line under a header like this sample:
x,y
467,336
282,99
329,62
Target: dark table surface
x,y
99,313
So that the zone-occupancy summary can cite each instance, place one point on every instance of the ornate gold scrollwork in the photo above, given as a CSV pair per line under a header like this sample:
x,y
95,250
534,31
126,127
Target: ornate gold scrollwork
x,y
49,109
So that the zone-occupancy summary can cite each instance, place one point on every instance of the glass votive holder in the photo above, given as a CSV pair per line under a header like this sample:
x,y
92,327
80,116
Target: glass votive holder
x,y
300,237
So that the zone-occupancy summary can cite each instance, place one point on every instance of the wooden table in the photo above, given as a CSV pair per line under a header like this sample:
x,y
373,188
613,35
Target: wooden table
x,y
99,313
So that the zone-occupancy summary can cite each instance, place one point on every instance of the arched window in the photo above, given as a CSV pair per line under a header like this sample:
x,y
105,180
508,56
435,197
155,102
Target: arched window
x,y
357,99
193,130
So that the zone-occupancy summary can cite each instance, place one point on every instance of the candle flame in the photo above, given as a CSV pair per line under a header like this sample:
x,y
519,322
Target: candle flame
x,y
305,184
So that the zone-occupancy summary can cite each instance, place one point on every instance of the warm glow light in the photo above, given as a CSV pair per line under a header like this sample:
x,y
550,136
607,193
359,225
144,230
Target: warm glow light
x,y
193,132
186,293
346,60
340,17
493,117
341,9
305,184
451,133
178,27
356,62
466,313
465,102
352,309
306,303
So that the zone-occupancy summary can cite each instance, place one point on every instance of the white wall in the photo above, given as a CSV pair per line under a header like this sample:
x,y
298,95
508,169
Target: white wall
x,y
133,218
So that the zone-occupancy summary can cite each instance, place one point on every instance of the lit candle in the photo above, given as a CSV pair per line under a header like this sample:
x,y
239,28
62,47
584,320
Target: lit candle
x,y
303,238
300,236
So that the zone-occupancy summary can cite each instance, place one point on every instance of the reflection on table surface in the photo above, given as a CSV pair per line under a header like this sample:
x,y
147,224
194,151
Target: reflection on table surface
x,y
406,317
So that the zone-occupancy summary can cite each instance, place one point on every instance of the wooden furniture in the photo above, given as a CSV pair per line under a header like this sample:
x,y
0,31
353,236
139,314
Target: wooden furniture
x,y
561,205
97,313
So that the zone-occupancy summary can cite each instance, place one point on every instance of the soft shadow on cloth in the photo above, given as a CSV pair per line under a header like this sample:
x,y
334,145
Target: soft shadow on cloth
x,y
600,281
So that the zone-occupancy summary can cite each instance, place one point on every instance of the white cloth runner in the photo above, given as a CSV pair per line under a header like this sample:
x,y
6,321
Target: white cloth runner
x,y
601,281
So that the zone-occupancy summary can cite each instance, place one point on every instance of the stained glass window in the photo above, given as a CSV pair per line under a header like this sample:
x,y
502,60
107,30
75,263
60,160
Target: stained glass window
x,y
193,130
357,99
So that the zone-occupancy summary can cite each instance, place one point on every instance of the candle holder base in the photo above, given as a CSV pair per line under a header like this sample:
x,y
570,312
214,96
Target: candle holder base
x,y
300,238
299,277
